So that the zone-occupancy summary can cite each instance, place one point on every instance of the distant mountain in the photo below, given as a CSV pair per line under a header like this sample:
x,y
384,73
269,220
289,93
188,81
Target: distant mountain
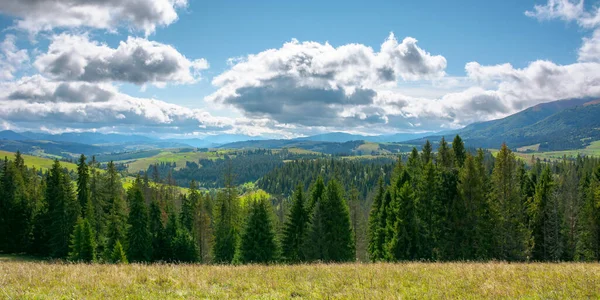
x,y
558,125
11,135
337,148
336,137
341,137
214,140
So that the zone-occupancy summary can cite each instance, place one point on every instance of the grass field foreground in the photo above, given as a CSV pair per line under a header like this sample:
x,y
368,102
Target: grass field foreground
x,y
22,279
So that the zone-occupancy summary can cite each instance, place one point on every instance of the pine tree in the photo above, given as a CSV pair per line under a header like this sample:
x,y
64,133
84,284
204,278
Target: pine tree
x,y
185,248
227,223
375,247
444,157
403,244
458,148
427,154
588,233
157,231
83,188
138,235
473,240
83,242
330,237
118,254
316,194
429,212
538,215
295,228
63,211
115,210
258,240
512,235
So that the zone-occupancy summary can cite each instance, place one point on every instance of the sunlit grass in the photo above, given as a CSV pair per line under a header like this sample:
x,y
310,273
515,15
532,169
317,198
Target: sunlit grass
x,y
364,281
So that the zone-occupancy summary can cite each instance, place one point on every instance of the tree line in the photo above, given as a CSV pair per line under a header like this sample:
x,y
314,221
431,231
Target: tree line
x,y
452,204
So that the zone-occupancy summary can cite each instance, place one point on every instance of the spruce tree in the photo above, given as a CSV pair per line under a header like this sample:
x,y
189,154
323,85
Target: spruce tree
x,y
375,246
118,254
258,240
226,223
83,242
63,211
316,194
538,215
427,154
184,246
138,235
511,233
157,230
403,243
83,188
295,228
330,234
458,148
444,157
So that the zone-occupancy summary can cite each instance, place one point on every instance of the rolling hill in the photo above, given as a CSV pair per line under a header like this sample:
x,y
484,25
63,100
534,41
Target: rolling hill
x,y
559,125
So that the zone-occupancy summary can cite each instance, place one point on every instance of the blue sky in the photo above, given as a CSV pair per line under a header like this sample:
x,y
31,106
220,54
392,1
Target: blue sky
x,y
516,60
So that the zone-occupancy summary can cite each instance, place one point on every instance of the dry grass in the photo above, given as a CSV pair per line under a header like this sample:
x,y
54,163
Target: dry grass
x,y
365,281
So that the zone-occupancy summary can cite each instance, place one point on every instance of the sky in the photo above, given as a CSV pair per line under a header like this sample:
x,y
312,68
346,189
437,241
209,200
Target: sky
x,y
282,69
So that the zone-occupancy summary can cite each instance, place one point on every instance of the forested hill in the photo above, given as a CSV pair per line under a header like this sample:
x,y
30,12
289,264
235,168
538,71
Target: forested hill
x,y
558,125
358,147
444,205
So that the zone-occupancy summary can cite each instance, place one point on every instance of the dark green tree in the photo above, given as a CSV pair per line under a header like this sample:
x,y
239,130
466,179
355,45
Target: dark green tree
x,y
330,237
258,243
138,235
458,148
83,242
295,228
376,242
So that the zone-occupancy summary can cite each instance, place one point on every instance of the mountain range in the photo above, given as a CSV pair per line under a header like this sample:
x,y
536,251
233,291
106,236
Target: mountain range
x,y
558,125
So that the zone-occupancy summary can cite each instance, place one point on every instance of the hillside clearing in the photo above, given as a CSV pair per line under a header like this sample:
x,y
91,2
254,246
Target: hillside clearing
x,y
367,281
38,162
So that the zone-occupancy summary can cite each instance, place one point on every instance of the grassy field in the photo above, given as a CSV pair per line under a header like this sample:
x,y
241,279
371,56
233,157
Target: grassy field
x,y
39,280
172,156
38,162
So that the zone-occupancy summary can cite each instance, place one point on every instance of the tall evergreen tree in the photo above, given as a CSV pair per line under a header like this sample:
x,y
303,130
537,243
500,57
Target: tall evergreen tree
x,y
403,244
140,240
157,231
538,215
258,243
376,243
444,157
83,242
83,187
227,223
460,154
63,211
330,237
115,210
295,228
427,154
512,235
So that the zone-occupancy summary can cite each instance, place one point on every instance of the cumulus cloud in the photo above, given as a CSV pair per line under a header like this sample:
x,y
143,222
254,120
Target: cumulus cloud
x,y
144,15
590,49
11,58
314,84
136,60
574,11
36,100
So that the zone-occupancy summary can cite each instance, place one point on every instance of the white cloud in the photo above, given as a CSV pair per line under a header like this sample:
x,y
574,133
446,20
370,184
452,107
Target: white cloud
x,y
314,84
11,58
136,60
83,105
144,15
569,11
590,49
